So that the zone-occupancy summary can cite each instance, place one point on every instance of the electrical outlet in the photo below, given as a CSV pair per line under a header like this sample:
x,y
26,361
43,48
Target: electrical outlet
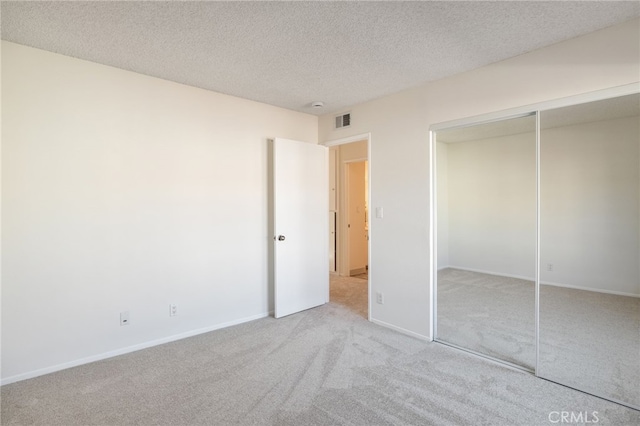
x,y
124,318
380,298
173,310
550,267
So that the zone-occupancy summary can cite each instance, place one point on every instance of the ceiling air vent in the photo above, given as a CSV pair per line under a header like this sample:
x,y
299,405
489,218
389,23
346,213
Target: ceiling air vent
x,y
343,120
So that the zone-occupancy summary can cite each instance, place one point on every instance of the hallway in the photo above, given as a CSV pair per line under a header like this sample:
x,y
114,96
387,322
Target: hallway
x,y
350,292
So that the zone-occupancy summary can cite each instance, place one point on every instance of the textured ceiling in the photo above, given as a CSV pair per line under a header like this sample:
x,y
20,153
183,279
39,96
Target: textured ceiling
x,y
292,53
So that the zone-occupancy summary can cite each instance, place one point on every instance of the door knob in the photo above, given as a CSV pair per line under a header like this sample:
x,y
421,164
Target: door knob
x,y
280,237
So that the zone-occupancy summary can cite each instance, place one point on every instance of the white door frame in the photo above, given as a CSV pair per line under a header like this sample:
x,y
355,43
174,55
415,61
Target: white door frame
x,y
344,141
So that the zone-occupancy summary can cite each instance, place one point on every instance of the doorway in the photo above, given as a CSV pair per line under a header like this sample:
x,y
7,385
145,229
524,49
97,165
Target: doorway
x,y
349,234
357,219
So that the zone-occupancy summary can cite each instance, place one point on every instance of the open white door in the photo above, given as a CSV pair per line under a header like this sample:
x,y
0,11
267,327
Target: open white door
x,y
301,209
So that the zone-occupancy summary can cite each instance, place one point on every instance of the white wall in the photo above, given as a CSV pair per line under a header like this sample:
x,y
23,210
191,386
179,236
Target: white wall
x,y
589,199
354,151
492,205
399,126
590,205
126,192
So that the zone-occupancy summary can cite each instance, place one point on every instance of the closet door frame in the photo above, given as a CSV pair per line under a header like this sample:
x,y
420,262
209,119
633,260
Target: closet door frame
x,y
628,89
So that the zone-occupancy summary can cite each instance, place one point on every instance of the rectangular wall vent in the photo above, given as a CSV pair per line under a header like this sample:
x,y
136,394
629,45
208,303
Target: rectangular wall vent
x,y
343,120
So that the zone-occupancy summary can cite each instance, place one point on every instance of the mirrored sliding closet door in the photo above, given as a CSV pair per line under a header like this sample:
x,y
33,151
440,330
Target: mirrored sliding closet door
x,y
554,202
590,247
486,238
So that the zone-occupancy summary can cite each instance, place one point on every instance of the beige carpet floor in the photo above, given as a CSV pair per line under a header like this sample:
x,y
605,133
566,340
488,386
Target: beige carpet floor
x,y
323,366
489,314
351,293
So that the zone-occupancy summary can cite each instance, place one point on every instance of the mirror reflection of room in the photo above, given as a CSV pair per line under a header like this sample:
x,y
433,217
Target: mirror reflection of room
x,y
486,238
577,228
590,247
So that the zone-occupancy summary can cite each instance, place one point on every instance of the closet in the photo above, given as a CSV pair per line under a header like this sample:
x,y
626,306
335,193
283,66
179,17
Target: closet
x,y
537,240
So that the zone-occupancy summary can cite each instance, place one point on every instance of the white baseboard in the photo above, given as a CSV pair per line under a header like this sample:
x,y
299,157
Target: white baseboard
x,y
129,349
574,287
401,330
498,274
596,290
